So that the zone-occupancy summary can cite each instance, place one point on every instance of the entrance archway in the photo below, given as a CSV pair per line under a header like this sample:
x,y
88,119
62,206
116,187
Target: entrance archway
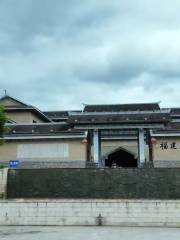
x,y
121,158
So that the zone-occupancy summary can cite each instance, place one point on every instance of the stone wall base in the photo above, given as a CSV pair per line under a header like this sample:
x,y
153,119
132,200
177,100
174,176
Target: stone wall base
x,y
90,212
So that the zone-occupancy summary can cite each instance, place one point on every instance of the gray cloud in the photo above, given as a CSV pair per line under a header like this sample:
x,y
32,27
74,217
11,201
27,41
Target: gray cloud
x,y
59,54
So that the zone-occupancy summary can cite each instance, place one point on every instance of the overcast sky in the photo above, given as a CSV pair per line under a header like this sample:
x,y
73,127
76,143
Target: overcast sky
x,y
59,54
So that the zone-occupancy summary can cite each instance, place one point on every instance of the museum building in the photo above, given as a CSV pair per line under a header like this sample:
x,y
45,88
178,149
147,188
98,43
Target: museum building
x,y
118,135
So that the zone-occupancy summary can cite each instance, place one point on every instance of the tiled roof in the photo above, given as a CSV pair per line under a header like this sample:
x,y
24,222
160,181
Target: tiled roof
x,y
132,117
166,131
58,114
122,107
172,128
174,125
175,111
41,129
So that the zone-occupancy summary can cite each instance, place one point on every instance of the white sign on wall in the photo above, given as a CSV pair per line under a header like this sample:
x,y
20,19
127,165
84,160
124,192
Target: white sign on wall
x,y
42,150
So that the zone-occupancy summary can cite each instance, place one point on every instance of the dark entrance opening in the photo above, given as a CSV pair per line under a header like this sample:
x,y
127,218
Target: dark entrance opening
x,y
121,158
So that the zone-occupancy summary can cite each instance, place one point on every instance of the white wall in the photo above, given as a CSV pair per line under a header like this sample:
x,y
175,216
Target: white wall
x,y
86,212
166,152
43,150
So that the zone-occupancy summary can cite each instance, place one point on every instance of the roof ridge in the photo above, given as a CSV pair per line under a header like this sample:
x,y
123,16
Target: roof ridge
x,y
115,104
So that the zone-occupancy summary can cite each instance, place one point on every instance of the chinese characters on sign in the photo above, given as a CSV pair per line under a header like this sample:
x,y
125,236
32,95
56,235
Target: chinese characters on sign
x,y
167,145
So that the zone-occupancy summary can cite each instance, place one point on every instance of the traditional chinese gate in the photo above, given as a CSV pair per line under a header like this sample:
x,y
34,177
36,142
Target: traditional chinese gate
x,y
141,121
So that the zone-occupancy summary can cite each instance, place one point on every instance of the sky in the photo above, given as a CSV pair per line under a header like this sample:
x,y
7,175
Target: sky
x,y
61,54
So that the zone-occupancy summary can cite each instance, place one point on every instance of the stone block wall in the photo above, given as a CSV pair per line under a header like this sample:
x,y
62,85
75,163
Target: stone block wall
x,y
150,183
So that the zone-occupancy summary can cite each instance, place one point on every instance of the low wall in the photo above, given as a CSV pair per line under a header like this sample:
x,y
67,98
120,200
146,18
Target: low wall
x,y
48,164
94,183
3,182
91,212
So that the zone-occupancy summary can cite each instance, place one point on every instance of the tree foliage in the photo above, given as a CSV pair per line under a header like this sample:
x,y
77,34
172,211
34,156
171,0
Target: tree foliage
x,y
3,120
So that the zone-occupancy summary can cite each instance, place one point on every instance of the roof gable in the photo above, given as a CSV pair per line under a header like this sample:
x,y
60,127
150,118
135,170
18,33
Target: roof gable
x,y
8,101
12,104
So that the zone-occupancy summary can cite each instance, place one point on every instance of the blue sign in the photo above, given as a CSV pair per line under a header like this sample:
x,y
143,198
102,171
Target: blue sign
x,y
13,163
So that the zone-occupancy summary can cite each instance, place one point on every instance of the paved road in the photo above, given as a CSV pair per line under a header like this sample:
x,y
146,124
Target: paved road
x,y
88,233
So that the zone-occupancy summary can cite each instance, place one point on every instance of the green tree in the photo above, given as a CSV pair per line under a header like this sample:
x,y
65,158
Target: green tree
x,y
3,120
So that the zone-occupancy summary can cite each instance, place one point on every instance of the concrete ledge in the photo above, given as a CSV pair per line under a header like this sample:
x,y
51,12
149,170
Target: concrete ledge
x,y
3,182
28,164
90,212
166,163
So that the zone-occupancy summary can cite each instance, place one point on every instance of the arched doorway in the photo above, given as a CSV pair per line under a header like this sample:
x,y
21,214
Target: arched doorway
x,y
121,158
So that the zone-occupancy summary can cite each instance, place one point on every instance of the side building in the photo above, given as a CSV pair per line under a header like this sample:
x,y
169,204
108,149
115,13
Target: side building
x,y
37,141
